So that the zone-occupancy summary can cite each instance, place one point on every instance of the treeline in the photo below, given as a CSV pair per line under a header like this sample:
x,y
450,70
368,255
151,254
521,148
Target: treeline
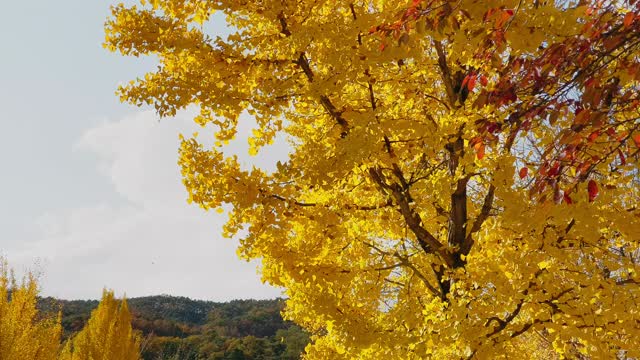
x,y
186,329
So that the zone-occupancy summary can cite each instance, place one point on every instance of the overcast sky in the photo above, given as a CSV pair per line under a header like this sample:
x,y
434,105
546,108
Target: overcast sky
x,y
90,192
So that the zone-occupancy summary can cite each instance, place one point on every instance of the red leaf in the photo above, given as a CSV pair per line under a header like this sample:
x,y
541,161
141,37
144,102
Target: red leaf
x,y
488,14
567,199
483,80
592,188
636,139
511,95
544,169
465,81
557,194
555,169
523,172
471,83
493,127
623,161
628,19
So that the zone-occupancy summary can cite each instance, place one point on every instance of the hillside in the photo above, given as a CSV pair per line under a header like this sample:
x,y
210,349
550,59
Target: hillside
x,y
182,328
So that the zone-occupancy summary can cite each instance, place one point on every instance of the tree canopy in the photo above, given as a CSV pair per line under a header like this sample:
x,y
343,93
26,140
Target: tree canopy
x,y
462,176
24,333
30,329
107,335
181,328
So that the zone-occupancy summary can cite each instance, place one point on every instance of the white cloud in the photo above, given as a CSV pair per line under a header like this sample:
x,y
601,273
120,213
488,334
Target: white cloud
x,y
150,241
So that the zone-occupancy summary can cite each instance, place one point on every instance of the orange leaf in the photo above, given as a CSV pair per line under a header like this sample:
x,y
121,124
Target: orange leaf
x,y
524,172
465,81
628,19
582,117
636,139
622,135
479,147
584,167
504,17
592,188
471,83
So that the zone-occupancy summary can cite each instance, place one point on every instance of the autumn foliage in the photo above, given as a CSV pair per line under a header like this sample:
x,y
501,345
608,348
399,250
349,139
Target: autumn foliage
x,y
28,334
107,335
462,178
25,334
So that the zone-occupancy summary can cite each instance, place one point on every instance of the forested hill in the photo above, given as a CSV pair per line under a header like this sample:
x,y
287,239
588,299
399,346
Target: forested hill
x,y
182,328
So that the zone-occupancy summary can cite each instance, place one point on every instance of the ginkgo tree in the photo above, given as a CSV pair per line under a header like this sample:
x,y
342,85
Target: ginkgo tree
x,y
28,333
462,176
107,335
25,334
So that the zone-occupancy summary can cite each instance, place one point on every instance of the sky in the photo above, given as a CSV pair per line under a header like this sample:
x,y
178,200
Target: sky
x,y
90,189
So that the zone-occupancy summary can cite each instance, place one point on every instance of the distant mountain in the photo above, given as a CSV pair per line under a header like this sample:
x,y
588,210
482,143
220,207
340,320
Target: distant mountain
x,y
181,328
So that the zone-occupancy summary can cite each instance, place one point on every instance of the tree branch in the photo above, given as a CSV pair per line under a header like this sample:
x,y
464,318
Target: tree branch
x,y
346,206
427,241
458,212
303,62
477,224
566,231
446,73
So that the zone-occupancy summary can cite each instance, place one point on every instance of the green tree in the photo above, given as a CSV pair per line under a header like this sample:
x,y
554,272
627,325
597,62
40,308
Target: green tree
x,y
294,339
